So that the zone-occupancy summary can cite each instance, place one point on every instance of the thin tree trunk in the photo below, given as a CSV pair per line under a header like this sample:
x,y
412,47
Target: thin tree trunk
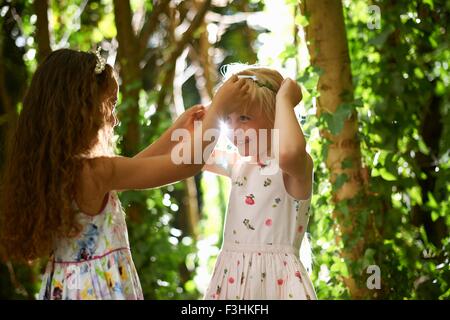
x,y
329,51
130,73
128,54
16,279
42,29
178,49
190,191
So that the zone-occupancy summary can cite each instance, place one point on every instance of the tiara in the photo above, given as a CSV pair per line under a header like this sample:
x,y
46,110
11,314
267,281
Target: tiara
x,y
257,81
101,62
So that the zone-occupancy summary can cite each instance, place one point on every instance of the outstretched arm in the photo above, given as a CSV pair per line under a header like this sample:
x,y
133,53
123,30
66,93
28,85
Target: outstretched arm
x,y
122,173
164,144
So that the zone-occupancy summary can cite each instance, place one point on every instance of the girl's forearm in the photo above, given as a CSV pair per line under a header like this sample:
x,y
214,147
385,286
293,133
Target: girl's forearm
x,y
199,145
162,145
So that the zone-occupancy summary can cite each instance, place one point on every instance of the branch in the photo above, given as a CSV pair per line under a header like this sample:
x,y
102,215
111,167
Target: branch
x,y
187,36
42,31
19,288
125,35
63,42
150,25
228,19
179,47
5,98
205,93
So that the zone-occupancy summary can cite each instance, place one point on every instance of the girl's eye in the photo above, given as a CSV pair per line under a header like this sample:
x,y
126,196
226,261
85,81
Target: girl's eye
x,y
244,118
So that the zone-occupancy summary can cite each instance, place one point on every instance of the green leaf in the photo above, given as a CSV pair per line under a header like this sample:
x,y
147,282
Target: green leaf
x,y
430,3
381,38
289,52
416,195
434,216
386,175
432,203
335,121
301,20
343,208
340,180
347,163
134,85
368,258
423,147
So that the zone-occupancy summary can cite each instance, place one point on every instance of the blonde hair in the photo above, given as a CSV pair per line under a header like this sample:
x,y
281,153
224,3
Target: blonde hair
x,y
262,91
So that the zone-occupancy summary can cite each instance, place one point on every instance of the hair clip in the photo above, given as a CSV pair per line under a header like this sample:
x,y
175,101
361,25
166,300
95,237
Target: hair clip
x,y
259,83
101,62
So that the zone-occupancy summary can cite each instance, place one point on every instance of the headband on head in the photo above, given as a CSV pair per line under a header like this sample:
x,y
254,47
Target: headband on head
x,y
257,81
101,62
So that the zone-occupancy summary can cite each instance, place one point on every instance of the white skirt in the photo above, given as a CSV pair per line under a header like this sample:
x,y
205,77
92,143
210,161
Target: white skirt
x,y
258,272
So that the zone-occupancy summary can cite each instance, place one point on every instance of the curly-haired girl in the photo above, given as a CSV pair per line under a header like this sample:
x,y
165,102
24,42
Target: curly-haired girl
x,y
58,194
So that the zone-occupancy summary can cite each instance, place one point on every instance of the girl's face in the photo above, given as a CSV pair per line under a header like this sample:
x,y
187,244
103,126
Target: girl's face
x,y
246,131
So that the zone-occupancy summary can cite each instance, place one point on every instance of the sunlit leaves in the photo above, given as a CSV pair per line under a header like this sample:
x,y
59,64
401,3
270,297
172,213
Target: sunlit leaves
x,y
302,20
335,121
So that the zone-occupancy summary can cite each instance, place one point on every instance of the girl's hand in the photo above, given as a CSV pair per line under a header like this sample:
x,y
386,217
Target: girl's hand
x,y
187,118
290,91
231,95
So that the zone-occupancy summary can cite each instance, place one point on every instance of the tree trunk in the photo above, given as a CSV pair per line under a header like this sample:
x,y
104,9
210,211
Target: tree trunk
x,y
17,280
130,74
128,54
42,29
327,45
189,223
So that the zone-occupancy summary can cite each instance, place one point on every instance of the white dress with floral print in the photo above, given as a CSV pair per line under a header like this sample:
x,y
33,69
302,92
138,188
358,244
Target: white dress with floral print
x,y
263,232
95,264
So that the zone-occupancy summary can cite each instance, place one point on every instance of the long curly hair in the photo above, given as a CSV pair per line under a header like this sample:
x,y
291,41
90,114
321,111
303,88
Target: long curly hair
x,y
66,106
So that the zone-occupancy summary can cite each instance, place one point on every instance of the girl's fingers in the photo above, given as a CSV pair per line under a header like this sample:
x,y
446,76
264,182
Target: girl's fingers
x,y
241,82
234,78
193,110
196,108
200,112
245,89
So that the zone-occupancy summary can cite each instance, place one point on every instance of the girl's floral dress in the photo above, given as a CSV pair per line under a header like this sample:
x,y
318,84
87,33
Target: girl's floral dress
x,y
95,264
263,232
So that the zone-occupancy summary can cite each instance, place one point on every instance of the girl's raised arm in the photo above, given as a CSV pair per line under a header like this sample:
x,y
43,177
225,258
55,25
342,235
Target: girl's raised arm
x,y
294,160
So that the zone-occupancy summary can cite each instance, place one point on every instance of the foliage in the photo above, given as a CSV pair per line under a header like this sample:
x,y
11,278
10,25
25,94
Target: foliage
x,y
400,77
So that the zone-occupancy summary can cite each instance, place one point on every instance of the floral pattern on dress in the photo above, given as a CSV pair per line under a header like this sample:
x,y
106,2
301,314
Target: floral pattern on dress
x,y
95,264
